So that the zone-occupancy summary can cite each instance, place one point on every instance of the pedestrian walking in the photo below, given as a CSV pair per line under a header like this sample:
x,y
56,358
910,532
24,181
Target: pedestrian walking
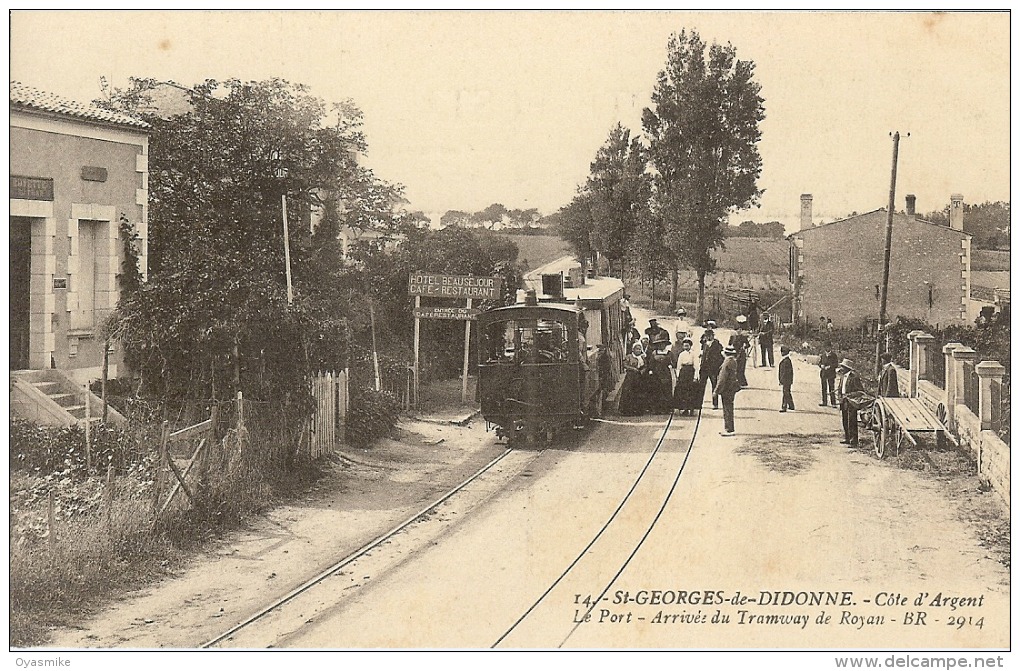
x,y
766,340
786,379
686,397
888,382
827,363
851,392
711,362
729,385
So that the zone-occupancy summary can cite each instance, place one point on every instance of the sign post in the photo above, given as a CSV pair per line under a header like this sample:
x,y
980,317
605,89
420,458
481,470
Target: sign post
x,y
417,338
467,348
449,286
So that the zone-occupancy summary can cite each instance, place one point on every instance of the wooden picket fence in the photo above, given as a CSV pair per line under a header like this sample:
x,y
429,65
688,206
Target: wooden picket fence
x,y
326,426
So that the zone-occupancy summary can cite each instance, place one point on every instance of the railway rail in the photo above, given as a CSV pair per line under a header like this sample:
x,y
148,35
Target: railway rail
x,y
660,501
350,558
602,530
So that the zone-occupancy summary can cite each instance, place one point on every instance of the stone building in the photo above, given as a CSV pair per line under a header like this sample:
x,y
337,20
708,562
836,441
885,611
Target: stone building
x,y
76,173
836,268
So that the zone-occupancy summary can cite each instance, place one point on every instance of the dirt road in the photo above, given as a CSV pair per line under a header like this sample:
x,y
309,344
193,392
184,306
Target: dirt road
x,y
779,537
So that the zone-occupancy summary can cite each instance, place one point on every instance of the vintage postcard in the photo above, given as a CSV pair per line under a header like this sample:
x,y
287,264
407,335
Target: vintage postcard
x,y
497,331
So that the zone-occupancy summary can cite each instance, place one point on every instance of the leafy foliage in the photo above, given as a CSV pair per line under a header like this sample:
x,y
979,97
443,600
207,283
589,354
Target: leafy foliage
x,y
372,415
703,134
988,222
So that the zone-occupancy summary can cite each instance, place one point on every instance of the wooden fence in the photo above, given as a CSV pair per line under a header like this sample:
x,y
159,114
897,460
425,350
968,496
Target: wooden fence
x,y
326,426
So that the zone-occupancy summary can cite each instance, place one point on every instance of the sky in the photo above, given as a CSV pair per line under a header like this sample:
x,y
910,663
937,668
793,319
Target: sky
x,y
468,108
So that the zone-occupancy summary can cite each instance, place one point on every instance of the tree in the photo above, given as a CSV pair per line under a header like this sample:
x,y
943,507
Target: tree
x,y
214,314
987,222
703,144
454,218
619,188
575,225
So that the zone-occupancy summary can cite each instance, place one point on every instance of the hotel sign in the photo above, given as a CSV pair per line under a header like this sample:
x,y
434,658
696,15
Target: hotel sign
x,y
454,286
31,188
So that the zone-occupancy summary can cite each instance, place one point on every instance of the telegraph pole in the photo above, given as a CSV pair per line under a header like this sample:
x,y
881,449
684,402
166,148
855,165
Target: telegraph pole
x,y
888,248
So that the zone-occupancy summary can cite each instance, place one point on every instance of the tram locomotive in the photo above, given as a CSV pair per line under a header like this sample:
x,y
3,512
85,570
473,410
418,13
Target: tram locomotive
x,y
548,361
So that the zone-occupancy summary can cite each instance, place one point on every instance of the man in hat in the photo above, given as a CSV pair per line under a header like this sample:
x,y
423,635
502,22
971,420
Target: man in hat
x,y
888,382
656,333
849,386
766,332
711,362
729,385
786,379
827,364
741,345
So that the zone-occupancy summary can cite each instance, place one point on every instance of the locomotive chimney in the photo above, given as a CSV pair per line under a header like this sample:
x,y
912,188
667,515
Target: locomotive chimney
x,y
805,211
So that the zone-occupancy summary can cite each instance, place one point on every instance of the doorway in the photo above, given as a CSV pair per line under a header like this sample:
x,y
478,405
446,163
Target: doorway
x,y
20,291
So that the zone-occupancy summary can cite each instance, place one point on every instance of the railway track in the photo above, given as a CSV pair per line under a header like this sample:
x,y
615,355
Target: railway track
x,y
352,557
655,461
641,476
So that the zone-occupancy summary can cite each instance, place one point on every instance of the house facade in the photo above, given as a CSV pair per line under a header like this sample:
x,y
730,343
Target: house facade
x,y
836,268
77,173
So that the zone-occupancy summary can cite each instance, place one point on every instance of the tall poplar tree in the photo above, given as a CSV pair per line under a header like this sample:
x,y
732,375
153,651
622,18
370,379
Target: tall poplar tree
x,y
703,134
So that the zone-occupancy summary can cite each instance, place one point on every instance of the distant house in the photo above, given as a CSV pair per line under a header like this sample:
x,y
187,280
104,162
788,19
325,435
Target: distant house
x,y
76,171
836,268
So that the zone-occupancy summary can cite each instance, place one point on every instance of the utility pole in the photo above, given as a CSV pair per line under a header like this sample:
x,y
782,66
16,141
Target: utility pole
x,y
888,248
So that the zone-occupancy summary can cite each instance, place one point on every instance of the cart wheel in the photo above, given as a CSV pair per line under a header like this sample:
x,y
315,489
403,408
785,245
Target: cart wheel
x,y
879,430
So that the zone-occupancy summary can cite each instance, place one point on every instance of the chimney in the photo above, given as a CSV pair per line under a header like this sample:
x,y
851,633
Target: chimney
x,y
805,211
956,212
911,205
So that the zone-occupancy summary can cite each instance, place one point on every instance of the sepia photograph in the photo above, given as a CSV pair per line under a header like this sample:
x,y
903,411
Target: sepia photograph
x,y
342,332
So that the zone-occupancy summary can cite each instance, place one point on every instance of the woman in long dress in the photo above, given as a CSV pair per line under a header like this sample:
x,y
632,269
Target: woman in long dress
x,y
685,394
632,400
659,378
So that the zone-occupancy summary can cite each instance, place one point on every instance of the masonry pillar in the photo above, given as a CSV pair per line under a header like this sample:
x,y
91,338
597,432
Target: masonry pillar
x,y
913,360
961,355
950,382
923,343
990,393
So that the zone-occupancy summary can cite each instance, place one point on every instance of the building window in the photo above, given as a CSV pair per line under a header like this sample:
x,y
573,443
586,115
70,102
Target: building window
x,y
90,237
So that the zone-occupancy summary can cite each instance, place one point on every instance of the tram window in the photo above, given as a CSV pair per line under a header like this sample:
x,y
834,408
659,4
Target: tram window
x,y
526,341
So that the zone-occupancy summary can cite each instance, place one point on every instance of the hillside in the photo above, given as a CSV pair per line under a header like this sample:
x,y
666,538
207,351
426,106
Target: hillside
x,y
986,259
538,249
760,256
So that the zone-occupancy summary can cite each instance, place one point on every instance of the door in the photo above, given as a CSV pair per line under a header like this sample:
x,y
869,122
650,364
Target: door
x,y
20,291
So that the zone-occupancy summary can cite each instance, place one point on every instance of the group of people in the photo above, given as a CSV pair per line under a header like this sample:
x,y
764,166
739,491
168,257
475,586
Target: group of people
x,y
850,389
662,375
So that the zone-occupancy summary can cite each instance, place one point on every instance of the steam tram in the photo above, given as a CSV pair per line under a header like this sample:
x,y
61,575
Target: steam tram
x,y
549,360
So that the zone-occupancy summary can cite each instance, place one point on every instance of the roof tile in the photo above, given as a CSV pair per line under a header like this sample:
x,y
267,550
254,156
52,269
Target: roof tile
x,y
32,98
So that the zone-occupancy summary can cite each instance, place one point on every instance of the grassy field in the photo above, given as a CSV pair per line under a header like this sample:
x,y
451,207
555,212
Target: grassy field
x,y
759,256
987,259
540,249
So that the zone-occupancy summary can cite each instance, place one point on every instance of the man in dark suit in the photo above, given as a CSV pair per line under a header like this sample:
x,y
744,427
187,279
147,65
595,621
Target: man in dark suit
x,y
827,363
711,362
656,333
850,391
729,385
786,379
766,332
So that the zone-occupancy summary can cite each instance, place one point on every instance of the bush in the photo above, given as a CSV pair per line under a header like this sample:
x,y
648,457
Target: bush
x,y
372,415
49,449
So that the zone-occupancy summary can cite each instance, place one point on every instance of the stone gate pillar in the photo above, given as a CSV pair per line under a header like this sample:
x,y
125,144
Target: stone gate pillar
x,y
950,382
989,396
